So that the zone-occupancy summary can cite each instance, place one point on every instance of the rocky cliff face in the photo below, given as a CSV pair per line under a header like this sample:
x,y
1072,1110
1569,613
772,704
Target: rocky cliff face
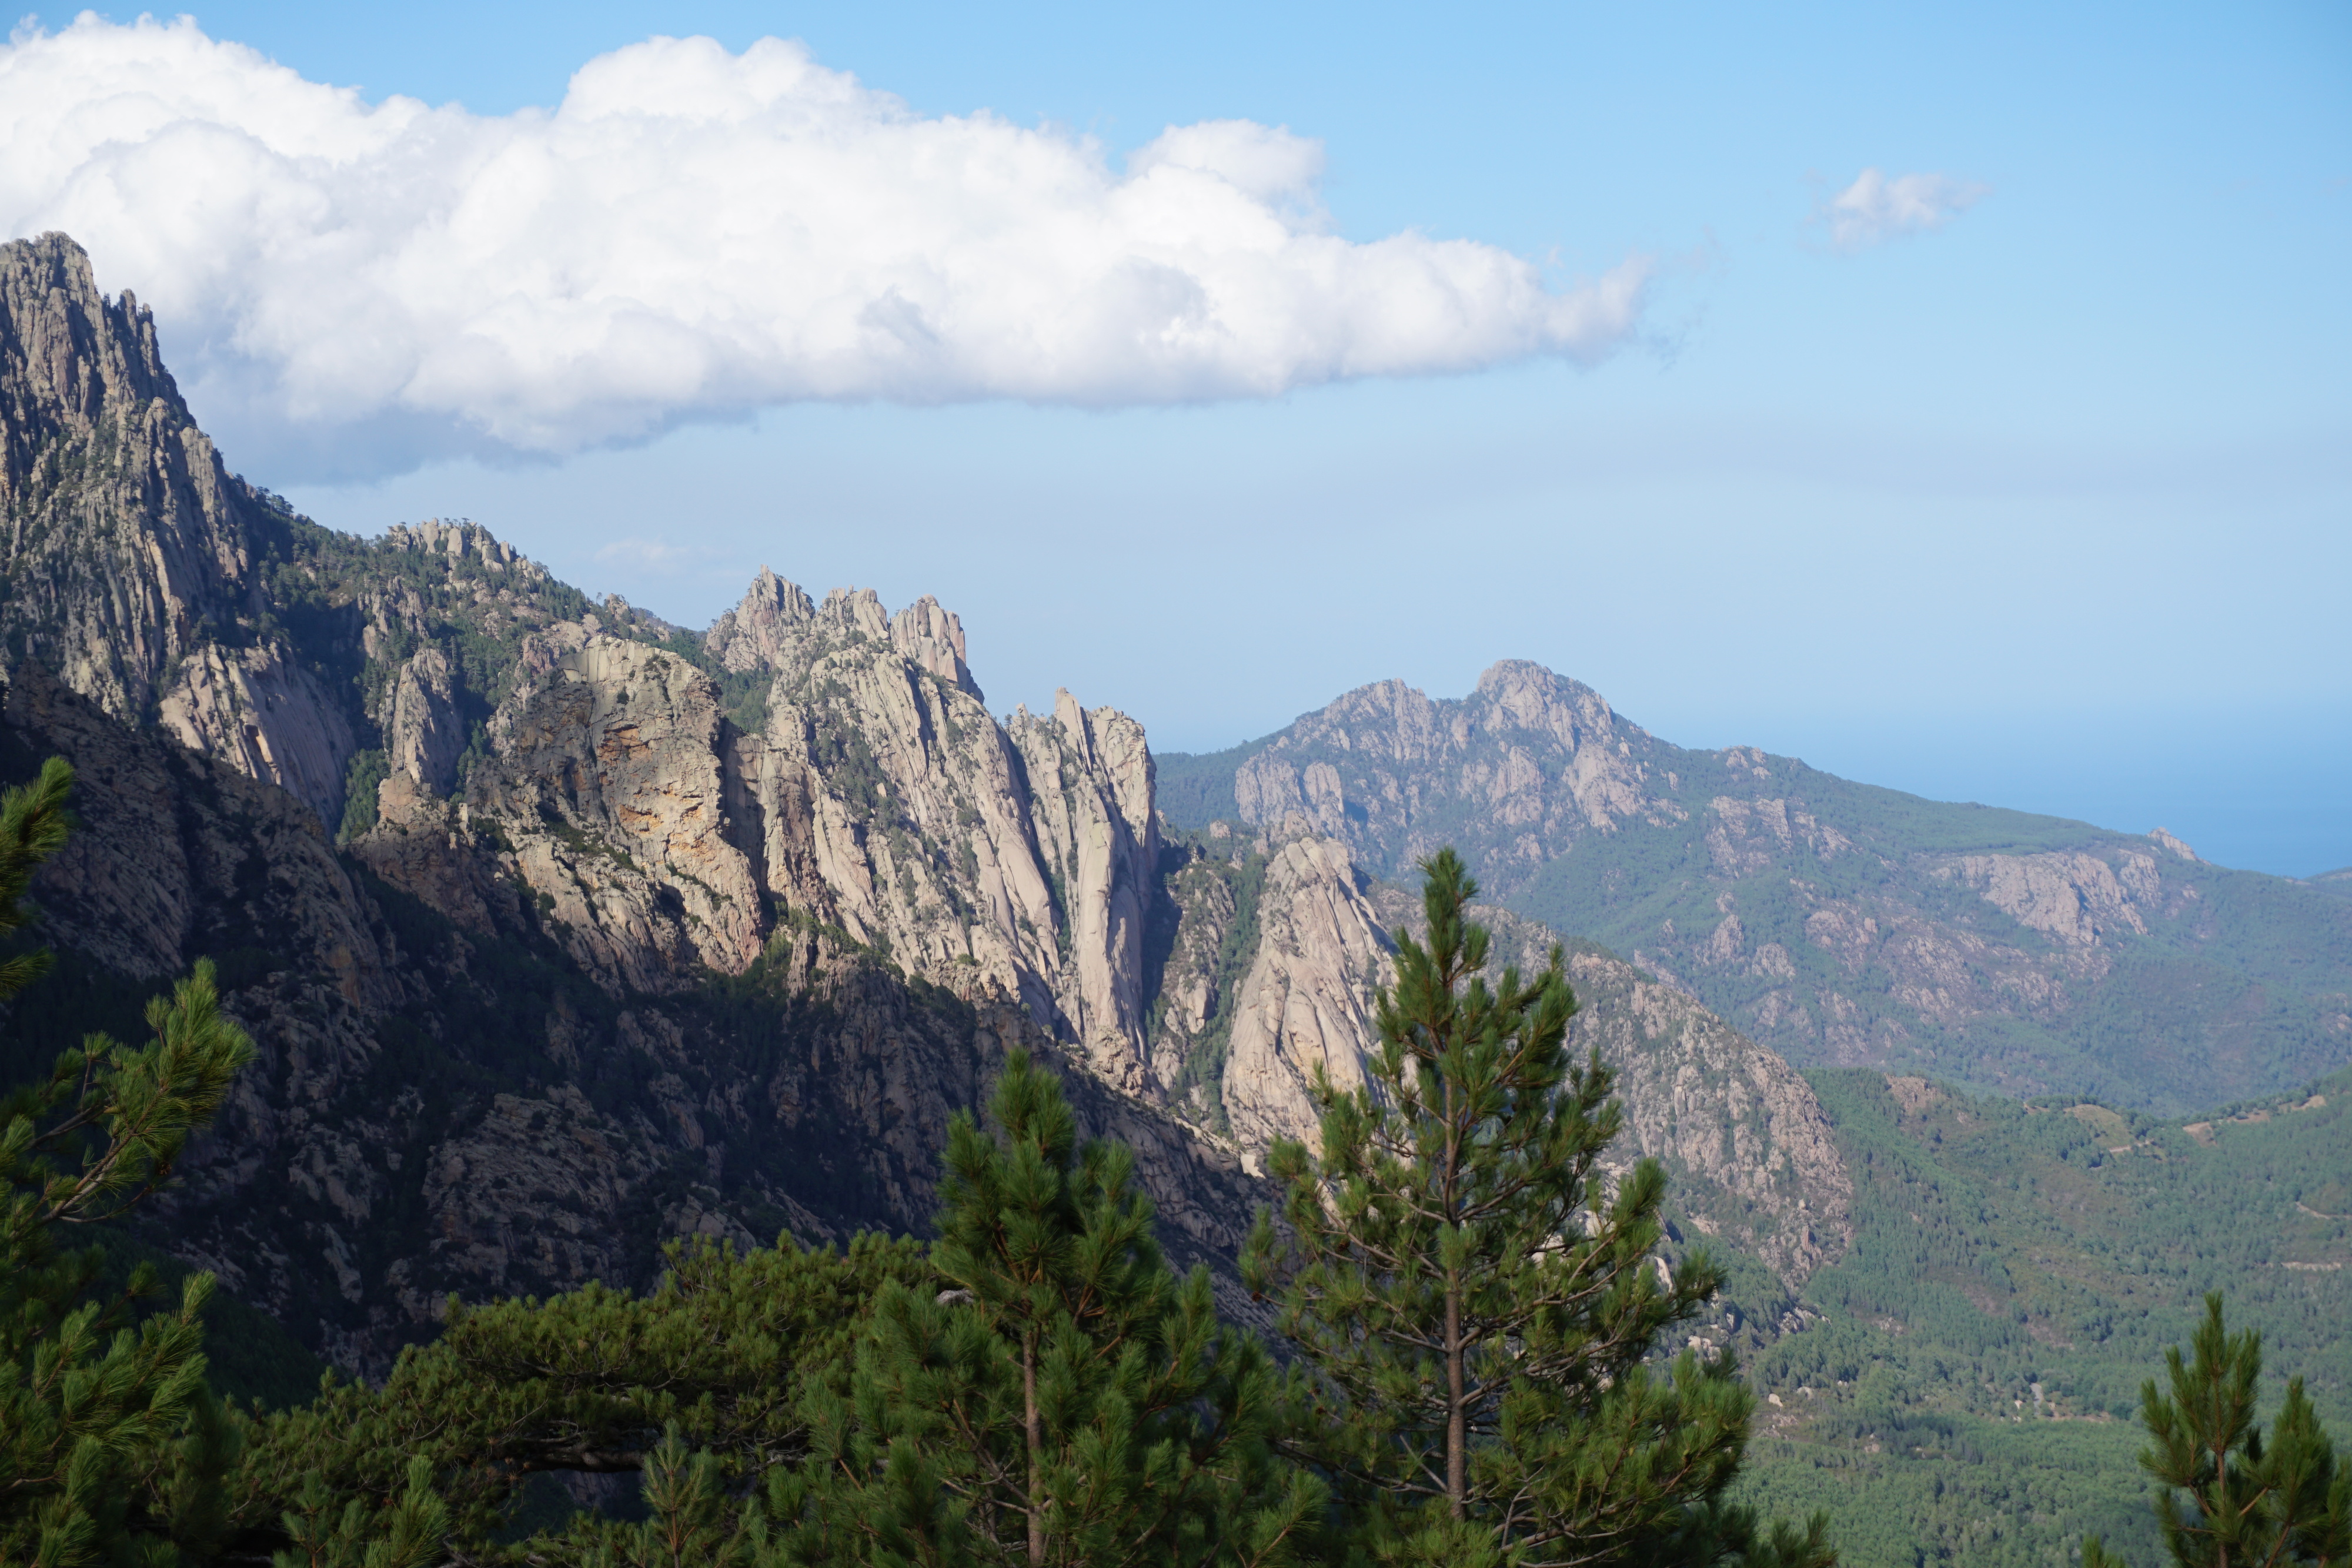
x,y
459,1087
1306,1001
1842,925
134,562
1280,943
1752,1154
562,930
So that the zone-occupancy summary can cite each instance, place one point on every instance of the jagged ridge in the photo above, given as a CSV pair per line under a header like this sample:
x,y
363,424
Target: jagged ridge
x,y
1842,925
623,931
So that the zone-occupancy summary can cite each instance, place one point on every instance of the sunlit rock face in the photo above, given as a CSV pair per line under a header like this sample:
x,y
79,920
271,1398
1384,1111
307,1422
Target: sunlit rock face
x,y
562,929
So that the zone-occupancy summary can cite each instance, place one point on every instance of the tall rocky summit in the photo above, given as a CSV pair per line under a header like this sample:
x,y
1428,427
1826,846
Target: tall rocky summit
x,y
562,929
1842,925
137,567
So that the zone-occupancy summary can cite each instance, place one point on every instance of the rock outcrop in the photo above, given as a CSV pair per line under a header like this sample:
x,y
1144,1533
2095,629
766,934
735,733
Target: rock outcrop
x,y
610,798
1742,1134
1089,775
754,635
136,566
453,1093
1307,1002
425,733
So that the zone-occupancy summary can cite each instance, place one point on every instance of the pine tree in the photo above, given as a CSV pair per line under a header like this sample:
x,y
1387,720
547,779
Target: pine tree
x,y
408,1531
1064,1398
717,1363
1478,1311
109,1440
2251,1503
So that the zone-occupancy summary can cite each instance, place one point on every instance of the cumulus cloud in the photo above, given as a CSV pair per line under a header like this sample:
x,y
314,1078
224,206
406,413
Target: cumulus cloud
x,y
697,234
1875,209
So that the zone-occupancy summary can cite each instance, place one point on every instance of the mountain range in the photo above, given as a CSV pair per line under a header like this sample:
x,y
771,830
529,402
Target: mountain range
x,y
562,929
1841,924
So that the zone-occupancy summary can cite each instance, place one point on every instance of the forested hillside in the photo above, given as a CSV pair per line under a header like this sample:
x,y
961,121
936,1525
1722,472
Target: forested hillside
x,y
1968,1386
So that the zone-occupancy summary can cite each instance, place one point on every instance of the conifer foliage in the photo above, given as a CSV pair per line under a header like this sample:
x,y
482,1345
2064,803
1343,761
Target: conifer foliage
x,y
1478,1311
723,1355
1061,1397
110,1442
2250,1503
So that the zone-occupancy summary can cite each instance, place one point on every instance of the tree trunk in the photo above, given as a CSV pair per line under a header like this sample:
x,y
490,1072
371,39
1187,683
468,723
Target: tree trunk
x,y
1458,1457
1037,1449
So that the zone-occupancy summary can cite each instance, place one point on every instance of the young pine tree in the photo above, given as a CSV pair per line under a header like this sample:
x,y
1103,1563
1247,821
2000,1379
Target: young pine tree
x,y
2252,1502
1064,1399
110,1442
1477,1311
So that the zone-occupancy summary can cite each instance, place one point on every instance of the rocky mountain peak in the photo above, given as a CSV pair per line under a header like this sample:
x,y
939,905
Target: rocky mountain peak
x,y
70,353
779,630
1528,759
134,559
457,539
933,638
1519,695
1841,924
753,635
856,612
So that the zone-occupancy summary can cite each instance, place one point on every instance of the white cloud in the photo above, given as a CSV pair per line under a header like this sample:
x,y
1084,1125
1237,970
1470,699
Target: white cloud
x,y
1875,209
695,233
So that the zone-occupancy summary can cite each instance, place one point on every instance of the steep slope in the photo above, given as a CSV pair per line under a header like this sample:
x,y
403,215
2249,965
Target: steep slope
x,y
135,564
452,1101
1270,951
1840,923
578,930
1752,1154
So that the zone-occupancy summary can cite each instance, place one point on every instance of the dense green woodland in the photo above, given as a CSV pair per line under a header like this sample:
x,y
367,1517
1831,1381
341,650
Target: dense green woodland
x,y
2002,1246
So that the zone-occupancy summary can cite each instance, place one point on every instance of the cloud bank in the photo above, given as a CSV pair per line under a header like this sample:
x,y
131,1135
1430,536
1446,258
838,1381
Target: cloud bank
x,y
1875,209
694,233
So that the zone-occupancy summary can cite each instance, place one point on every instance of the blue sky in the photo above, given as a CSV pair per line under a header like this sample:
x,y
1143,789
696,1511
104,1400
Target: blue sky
x,y
2047,504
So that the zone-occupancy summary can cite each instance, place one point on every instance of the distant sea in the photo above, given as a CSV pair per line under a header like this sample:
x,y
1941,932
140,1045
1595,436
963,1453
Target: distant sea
x,y
2259,789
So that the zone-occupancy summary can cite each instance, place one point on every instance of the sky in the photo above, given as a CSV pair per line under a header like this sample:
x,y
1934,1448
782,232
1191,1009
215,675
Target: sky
x,y
1953,397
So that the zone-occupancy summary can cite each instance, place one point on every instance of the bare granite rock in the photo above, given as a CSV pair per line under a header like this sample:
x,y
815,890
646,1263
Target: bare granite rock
x,y
134,559
424,733
754,635
1090,777
608,787
1308,1001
